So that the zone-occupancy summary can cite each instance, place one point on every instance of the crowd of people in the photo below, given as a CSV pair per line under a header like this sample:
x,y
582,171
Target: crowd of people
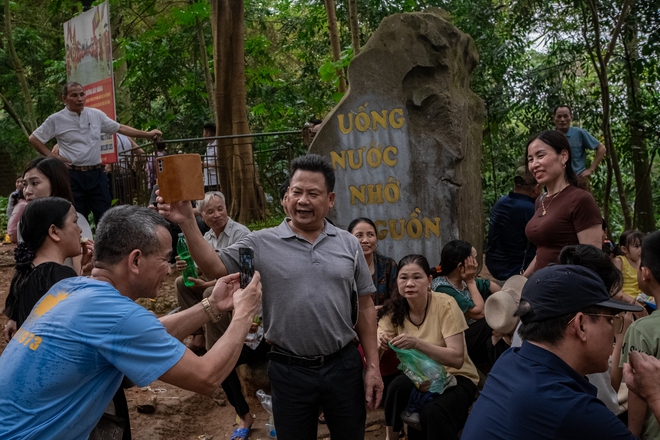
x,y
557,330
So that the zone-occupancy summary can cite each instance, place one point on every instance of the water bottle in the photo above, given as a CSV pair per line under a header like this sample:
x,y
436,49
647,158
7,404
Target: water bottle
x,y
190,271
266,402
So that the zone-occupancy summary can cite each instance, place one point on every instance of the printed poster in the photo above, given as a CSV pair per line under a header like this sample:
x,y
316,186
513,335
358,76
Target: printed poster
x,y
89,62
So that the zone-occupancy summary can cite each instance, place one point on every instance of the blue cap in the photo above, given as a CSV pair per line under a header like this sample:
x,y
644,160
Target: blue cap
x,y
560,290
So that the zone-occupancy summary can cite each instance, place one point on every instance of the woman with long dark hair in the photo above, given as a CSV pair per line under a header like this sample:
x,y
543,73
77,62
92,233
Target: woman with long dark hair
x,y
430,322
49,177
50,234
565,214
382,268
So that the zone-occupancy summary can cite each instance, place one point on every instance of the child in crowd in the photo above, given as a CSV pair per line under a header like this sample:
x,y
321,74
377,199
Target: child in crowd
x,y
630,244
13,197
644,335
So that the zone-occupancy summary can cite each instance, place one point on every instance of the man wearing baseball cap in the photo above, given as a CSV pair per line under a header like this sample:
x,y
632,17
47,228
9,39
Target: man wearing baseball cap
x,y
538,390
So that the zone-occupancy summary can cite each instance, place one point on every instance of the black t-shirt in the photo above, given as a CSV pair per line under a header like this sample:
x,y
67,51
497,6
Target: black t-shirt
x,y
26,292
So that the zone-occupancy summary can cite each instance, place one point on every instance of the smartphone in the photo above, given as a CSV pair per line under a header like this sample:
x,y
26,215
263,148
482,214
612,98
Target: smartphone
x,y
245,260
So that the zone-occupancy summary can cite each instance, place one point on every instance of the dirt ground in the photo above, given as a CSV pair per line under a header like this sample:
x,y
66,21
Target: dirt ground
x,y
181,414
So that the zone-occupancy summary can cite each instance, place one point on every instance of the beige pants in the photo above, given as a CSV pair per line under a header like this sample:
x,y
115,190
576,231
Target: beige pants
x,y
188,297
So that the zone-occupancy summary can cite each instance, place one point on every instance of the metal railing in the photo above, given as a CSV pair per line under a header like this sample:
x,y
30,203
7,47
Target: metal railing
x,y
133,176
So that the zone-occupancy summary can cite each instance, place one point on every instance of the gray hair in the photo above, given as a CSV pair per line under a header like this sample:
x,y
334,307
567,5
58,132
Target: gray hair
x,y
201,204
123,229
67,86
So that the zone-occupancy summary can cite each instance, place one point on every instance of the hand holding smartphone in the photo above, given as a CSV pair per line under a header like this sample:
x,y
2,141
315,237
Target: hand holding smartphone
x,y
246,264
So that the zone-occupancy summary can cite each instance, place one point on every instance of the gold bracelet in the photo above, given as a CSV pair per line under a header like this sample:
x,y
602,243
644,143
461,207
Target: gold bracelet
x,y
207,308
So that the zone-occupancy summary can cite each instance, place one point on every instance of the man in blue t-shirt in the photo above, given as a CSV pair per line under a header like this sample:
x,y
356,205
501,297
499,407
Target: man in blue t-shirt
x,y
538,390
580,141
508,251
61,369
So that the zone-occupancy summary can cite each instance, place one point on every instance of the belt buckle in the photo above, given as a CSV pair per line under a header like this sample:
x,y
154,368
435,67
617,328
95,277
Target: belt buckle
x,y
319,361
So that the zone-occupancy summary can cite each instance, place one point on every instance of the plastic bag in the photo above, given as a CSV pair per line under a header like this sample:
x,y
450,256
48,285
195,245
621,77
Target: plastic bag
x,y
425,373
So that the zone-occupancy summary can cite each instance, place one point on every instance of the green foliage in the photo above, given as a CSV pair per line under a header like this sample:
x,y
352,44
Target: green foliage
x,y
165,78
329,71
533,56
38,39
285,44
270,222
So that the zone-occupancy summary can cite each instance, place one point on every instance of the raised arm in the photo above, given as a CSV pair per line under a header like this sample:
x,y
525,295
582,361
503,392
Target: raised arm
x,y
468,274
204,255
600,154
205,374
134,132
40,146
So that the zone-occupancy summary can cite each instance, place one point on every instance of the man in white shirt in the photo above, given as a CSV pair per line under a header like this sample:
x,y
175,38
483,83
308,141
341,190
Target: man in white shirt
x,y
210,162
78,130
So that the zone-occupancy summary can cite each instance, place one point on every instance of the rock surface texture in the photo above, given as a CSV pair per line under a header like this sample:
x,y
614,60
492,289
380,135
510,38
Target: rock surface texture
x,y
405,141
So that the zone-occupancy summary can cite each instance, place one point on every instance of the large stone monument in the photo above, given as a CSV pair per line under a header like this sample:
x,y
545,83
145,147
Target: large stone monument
x,y
405,141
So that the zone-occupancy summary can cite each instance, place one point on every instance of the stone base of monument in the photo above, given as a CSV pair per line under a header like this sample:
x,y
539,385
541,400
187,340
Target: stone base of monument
x,y
253,378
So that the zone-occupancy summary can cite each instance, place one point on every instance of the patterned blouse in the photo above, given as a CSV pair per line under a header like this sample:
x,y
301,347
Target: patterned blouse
x,y
384,278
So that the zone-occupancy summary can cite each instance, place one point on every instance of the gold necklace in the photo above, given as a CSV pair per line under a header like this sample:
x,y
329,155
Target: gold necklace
x,y
554,196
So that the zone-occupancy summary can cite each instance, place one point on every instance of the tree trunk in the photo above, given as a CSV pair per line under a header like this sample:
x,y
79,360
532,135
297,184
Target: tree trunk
x,y
644,219
221,25
9,108
30,119
204,60
248,201
608,196
334,41
609,145
600,59
238,176
354,25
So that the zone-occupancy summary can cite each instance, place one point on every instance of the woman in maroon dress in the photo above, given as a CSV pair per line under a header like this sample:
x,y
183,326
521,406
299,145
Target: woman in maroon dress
x,y
565,214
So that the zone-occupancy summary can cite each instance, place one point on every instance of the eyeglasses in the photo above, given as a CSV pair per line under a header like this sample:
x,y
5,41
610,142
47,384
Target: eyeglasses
x,y
615,320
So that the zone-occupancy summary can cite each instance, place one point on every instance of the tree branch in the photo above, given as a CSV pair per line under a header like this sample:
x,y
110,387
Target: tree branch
x,y
625,10
20,72
14,115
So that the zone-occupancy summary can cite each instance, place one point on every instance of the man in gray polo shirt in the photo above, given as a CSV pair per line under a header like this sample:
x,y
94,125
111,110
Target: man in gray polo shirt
x,y
307,269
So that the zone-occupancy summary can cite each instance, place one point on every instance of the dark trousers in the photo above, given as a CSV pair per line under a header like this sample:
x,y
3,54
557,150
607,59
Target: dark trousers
x,y
90,192
441,419
476,339
299,392
232,384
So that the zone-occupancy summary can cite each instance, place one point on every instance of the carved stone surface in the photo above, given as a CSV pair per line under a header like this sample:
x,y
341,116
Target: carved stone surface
x,y
405,140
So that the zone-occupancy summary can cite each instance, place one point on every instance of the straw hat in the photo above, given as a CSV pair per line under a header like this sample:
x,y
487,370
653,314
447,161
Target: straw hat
x,y
501,306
